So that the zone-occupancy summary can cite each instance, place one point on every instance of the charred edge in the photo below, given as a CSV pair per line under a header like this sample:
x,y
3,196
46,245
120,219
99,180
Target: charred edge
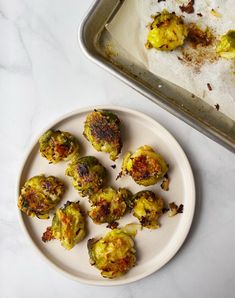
x,y
189,8
47,236
112,225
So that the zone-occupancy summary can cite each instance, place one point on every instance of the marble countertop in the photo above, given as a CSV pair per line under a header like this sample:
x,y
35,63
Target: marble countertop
x,y
44,74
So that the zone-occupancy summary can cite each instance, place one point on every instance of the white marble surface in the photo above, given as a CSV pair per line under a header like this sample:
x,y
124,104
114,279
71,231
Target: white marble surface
x,y
44,74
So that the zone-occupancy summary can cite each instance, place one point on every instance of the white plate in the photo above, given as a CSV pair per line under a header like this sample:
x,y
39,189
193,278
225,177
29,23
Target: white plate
x,y
155,247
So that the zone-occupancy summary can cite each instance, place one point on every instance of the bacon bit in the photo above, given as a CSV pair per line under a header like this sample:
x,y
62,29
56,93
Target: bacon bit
x,y
209,86
47,236
112,225
199,14
188,8
161,1
113,166
165,183
179,58
174,209
217,107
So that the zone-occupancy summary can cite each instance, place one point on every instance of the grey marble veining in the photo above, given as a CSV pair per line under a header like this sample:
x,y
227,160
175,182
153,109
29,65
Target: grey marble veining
x,y
43,74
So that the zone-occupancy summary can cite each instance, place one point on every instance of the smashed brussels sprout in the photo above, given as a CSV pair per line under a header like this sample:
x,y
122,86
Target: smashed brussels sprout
x,y
167,32
145,166
58,145
68,226
39,195
102,129
108,204
226,46
88,174
148,208
114,254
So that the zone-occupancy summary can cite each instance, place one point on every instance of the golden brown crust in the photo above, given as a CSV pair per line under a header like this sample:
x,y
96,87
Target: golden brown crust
x,y
102,129
108,205
144,167
39,195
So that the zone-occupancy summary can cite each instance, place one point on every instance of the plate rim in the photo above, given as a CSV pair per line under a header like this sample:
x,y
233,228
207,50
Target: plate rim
x,y
114,282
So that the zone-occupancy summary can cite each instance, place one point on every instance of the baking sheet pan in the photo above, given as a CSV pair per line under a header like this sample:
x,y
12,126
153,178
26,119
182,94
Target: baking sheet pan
x,y
98,45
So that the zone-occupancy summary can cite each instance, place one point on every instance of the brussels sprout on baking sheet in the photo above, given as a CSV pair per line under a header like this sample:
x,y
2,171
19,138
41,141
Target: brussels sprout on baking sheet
x,y
167,32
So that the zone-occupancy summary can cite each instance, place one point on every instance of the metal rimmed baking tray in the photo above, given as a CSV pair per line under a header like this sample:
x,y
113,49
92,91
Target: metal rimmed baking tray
x,y
95,41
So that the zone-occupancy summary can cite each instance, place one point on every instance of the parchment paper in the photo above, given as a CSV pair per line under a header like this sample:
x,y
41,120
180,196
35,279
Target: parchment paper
x,y
129,29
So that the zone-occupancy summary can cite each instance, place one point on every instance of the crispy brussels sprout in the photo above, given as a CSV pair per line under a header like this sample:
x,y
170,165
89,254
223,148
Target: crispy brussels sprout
x,y
88,174
102,129
58,145
114,254
226,46
167,32
148,208
39,195
68,226
109,205
145,166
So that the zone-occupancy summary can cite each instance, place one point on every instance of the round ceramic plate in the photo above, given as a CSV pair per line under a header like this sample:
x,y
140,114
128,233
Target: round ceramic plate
x,y
155,247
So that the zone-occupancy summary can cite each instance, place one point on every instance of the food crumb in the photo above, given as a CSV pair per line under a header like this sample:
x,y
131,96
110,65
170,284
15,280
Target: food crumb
x,y
188,8
113,166
112,225
199,14
200,48
47,236
217,107
165,183
174,209
209,86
